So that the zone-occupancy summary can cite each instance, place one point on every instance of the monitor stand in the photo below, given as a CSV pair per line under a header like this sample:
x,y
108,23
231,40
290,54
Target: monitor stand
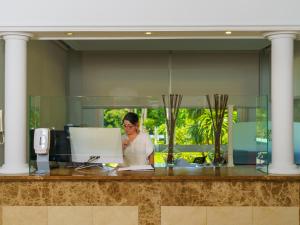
x,y
89,163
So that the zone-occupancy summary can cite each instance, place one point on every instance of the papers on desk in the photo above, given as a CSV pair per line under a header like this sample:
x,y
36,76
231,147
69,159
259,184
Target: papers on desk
x,y
137,168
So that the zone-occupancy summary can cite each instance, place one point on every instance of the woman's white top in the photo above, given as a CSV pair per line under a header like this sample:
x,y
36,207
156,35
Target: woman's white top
x,y
138,151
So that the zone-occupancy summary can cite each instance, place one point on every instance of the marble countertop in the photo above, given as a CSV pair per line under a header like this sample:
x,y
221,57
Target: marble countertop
x,y
247,173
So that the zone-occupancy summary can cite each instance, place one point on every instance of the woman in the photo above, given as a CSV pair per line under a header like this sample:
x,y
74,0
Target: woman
x,y
137,145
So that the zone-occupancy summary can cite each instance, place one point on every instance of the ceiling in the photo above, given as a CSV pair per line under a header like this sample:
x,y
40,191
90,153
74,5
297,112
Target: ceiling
x,y
167,45
157,40
96,35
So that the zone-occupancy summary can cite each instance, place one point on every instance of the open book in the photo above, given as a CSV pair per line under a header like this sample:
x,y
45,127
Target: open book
x,y
137,168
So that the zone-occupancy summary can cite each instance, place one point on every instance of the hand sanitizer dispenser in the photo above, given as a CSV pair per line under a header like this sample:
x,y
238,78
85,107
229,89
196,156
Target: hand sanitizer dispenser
x,y
41,147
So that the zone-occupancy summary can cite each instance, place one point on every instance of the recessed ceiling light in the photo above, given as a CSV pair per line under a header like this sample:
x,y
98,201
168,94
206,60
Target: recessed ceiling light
x,y
148,33
228,32
69,33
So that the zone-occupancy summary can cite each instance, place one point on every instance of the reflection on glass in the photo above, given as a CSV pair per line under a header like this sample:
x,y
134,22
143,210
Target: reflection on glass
x,y
193,137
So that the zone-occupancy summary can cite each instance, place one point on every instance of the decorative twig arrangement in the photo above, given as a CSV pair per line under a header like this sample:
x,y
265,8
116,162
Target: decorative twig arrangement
x,y
171,108
217,121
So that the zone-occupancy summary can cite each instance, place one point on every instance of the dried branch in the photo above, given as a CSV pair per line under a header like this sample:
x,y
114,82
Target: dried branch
x,y
220,107
171,110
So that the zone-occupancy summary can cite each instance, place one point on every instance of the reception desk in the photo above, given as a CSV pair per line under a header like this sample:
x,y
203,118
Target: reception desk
x,y
167,196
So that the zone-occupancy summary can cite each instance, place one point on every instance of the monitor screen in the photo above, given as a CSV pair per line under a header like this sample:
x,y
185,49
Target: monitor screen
x,y
89,142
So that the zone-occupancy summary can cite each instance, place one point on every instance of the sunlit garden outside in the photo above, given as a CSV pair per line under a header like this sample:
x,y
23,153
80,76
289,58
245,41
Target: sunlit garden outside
x,y
194,129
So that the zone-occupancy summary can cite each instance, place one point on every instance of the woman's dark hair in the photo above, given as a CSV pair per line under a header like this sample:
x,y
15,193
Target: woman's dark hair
x,y
131,117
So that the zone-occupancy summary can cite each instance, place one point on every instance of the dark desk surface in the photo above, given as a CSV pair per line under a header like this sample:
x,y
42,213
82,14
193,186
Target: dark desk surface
x,y
247,173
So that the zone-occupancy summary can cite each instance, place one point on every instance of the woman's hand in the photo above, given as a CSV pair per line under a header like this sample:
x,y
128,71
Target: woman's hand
x,y
125,143
151,159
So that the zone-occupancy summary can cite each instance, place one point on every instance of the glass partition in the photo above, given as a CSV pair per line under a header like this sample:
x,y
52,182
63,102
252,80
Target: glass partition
x,y
194,136
263,134
297,129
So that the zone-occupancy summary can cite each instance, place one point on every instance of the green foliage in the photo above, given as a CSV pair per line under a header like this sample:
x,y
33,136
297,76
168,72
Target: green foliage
x,y
160,157
193,126
113,117
155,119
201,128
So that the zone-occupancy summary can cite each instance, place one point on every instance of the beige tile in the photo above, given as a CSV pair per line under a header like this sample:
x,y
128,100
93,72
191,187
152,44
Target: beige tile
x,y
24,215
179,215
229,215
276,215
70,215
115,215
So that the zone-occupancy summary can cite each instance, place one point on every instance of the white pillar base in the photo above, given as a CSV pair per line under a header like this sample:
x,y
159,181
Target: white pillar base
x,y
290,169
230,164
14,169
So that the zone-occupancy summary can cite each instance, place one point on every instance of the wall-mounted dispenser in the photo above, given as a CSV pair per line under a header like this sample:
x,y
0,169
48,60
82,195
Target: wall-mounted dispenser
x,y
42,141
1,128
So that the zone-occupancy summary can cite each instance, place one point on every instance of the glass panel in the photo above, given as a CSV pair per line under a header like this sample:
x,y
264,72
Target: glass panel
x,y
244,130
297,129
194,138
263,134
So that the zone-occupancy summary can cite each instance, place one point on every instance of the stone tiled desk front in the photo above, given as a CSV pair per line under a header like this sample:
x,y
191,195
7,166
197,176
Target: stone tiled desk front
x,y
166,196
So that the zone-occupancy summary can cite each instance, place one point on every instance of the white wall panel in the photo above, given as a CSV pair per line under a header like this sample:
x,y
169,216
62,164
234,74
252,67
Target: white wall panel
x,y
115,13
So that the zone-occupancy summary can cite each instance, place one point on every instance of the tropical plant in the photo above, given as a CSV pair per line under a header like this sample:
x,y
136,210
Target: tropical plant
x,y
201,130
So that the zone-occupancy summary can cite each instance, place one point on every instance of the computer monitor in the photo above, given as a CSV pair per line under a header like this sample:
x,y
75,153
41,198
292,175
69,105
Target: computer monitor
x,y
103,143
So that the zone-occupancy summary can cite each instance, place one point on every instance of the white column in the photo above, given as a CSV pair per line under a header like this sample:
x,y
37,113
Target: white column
x,y
282,103
15,103
230,137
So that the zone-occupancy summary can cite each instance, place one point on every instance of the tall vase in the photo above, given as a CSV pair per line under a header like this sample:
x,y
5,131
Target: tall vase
x,y
171,109
171,154
217,153
217,116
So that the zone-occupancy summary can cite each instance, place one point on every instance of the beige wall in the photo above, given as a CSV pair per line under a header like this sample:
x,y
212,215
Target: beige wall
x,y
110,74
297,82
144,74
1,89
230,73
47,68
1,74
47,75
297,69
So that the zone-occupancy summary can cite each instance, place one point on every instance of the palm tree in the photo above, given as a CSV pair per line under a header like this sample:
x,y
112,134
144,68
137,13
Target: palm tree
x,y
201,131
